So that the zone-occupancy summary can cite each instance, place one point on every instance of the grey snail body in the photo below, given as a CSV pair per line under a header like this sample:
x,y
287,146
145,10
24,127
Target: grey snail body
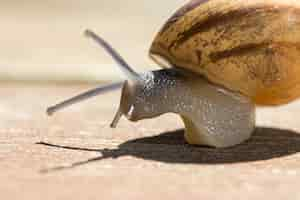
x,y
212,116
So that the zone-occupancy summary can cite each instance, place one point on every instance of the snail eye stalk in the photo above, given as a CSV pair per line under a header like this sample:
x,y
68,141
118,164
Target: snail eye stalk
x,y
130,73
81,97
124,66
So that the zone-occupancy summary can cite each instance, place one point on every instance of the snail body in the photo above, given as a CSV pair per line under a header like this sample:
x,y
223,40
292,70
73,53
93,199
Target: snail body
x,y
221,59
212,116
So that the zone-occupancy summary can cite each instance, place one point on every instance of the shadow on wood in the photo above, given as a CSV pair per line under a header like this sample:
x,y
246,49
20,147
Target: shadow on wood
x,y
170,147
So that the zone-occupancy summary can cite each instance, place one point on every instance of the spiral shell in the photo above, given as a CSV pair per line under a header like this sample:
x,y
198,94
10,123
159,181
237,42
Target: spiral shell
x,y
252,47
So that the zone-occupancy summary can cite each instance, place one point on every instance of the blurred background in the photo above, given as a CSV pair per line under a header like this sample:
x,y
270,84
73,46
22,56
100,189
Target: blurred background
x,y
76,155
43,40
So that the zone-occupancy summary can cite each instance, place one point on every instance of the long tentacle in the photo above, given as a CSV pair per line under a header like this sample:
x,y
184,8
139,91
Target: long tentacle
x,y
114,54
84,96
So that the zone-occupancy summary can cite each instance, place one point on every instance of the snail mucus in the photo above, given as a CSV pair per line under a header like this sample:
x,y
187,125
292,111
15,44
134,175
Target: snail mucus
x,y
221,59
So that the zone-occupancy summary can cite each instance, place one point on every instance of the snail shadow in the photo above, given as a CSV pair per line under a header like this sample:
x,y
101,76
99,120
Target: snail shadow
x,y
170,147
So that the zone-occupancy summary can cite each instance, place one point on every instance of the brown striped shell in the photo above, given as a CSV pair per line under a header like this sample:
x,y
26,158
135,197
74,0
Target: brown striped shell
x,y
249,46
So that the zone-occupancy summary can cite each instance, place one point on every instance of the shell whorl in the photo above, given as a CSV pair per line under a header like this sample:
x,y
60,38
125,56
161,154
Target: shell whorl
x,y
247,46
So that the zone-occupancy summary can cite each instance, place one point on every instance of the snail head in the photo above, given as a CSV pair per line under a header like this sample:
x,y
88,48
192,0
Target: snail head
x,y
134,98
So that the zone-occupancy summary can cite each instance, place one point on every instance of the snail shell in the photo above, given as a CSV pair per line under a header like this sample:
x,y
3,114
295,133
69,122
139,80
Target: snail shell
x,y
252,47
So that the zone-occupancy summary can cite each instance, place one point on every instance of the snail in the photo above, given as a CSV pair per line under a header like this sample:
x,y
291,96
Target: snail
x,y
221,59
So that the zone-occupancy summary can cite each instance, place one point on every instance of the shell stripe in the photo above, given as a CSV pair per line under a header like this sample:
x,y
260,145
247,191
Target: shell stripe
x,y
182,11
239,50
222,18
